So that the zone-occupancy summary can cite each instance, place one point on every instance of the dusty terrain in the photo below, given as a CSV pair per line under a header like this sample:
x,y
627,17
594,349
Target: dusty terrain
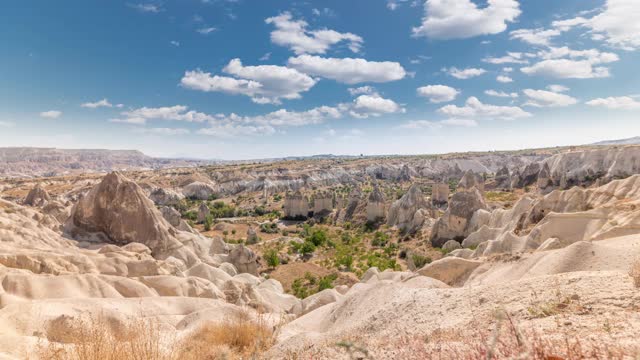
x,y
527,254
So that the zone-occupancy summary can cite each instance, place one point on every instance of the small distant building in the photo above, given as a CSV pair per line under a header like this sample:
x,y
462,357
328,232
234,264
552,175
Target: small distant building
x,y
296,205
375,205
440,194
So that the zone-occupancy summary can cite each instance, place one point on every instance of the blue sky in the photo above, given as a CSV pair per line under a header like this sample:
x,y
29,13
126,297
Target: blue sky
x,y
252,79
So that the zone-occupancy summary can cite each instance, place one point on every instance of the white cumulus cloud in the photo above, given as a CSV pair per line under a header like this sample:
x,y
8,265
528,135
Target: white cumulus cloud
x,y
51,114
459,19
616,103
543,98
438,93
97,104
263,83
294,35
348,70
464,73
474,108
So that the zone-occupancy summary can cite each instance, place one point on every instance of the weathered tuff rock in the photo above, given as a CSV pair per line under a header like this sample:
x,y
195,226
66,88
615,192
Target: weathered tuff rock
x,y
244,259
203,212
37,196
119,209
544,178
439,194
375,205
403,211
578,167
163,197
296,205
502,179
322,203
528,176
470,180
252,236
453,224
198,190
171,215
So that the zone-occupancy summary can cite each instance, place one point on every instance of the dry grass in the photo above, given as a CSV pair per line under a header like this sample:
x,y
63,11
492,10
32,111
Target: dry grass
x,y
504,341
634,272
101,338
236,337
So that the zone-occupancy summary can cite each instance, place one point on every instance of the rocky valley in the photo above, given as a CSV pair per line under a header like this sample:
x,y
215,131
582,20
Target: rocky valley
x,y
528,254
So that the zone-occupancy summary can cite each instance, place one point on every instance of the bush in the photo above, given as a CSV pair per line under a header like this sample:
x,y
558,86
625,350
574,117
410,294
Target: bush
x,y
380,239
307,248
269,228
326,282
272,258
419,261
318,237
208,221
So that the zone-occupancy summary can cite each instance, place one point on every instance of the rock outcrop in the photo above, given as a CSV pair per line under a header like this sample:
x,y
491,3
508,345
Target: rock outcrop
x,y
322,203
502,179
471,180
296,206
165,197
405,213
119,209
203,212
375,205
38,196
198,190
439,194
453,225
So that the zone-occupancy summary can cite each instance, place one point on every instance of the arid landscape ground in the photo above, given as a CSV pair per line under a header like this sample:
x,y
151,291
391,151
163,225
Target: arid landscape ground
x,y
531,254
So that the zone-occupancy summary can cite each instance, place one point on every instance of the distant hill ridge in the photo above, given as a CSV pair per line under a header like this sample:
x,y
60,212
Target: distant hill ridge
x,y
628,141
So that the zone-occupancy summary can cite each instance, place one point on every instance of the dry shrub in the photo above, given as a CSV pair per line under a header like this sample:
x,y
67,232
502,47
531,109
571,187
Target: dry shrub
x,y
97,337
634,272
506,341
237,337
94,338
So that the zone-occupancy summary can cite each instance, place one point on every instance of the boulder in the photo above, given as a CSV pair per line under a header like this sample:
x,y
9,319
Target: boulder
x,y
198,190
244,260
252,236
502,179
163,197
451,245
203,212
37,196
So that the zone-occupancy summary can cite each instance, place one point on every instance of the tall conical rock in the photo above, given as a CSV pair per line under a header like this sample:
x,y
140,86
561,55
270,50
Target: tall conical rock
x,y
119,209
403,212
453,224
